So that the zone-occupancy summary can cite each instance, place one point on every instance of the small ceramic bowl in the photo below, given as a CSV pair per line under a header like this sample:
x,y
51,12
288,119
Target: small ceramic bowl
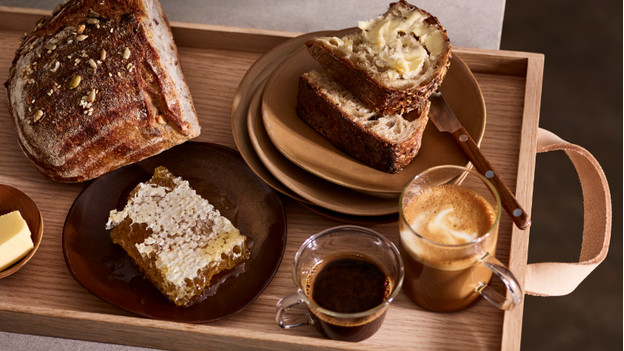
x,y
12,199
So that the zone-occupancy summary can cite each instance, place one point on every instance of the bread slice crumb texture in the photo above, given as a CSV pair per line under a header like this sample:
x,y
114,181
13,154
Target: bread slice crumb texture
x,y
391,127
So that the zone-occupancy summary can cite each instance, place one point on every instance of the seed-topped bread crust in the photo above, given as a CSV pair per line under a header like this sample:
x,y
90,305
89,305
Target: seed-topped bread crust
x,y
98,85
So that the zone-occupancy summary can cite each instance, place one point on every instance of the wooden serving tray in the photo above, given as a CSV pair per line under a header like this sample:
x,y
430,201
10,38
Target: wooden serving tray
x,y
44,299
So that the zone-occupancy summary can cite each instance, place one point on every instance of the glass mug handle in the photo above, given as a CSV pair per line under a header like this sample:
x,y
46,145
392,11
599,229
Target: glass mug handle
x,y
286,303
492,296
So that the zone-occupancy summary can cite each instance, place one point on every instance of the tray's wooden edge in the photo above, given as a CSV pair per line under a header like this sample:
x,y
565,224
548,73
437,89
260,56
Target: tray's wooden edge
x,y
261,40
20,19
531,67
185,34
512,321
500,62
515,63
145,332
222,37
101,328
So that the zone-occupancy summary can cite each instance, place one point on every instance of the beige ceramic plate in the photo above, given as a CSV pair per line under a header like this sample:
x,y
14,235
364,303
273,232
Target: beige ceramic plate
x,y
256,74
254,77
314,189
309,150
12,199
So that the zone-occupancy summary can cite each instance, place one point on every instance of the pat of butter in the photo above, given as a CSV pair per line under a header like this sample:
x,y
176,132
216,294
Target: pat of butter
x,y
387,31
15,240
404,42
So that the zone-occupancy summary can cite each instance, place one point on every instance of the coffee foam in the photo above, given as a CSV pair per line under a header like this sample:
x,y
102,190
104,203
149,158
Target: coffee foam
x,y
448,215
440,225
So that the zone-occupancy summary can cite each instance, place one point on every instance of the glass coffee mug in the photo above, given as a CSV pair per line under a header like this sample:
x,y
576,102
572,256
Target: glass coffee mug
x,y
347,276
449,218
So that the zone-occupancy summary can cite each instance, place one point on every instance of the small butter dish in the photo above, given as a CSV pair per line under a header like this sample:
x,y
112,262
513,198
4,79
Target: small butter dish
x,y
12,199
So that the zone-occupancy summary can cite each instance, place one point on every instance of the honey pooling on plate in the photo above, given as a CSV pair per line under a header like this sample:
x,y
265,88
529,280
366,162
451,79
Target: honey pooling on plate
x,y
176,237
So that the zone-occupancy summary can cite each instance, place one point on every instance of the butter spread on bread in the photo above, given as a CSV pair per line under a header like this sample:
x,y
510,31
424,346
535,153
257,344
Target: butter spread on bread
x,y
98,85
392,62
403,42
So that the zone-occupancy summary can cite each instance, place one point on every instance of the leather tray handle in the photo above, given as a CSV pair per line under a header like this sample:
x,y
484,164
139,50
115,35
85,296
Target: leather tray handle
x,y
560,278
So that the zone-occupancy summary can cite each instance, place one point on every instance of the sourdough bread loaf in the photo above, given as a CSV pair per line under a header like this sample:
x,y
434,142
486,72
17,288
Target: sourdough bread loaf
x,y
386,142
393,62
98,85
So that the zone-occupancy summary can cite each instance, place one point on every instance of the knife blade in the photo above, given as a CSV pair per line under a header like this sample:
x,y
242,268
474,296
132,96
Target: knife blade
x,y
443,117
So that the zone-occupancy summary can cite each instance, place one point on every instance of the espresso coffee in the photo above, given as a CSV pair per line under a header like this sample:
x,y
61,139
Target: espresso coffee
x,y
443,271
348,283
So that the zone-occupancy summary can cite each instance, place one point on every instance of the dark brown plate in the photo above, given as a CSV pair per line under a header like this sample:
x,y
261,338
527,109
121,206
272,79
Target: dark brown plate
x,y
12,199
219,175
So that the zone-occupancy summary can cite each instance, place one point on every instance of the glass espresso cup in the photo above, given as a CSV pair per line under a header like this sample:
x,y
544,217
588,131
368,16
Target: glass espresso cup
x,y
347,276
449,218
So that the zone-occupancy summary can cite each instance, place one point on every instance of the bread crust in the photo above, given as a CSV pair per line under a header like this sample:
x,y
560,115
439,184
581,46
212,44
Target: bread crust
x,y
128,104
333,123
373,93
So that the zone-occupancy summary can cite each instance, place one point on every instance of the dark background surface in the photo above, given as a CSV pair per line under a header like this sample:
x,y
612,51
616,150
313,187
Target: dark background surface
x,y
582,103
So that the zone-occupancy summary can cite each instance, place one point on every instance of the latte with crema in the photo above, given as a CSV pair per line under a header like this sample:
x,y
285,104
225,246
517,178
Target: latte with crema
x,y
445,230
450,214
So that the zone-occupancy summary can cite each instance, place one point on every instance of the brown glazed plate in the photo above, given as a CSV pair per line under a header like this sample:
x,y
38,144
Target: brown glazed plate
x,y
219,175
12,199
317,191
253,78
310,151
250,83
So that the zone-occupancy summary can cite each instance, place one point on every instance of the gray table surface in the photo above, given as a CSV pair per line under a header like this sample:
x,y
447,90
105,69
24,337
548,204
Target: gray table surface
x,y
470,23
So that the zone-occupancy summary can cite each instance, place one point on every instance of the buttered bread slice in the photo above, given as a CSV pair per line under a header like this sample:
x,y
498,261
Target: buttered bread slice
x,y
386,142
392,62
176,237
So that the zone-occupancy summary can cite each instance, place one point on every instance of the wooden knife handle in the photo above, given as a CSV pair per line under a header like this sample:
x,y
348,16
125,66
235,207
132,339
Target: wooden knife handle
x,y
519,216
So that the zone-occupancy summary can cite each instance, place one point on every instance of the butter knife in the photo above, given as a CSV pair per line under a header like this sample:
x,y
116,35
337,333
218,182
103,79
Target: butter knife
x,y
444,119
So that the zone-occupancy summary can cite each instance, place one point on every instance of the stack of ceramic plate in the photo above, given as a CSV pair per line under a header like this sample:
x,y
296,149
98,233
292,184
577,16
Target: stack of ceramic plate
x,y
298,162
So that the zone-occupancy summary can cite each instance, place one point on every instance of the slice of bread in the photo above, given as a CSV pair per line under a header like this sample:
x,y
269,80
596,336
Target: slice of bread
x,y
393,63
385,142
176,237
